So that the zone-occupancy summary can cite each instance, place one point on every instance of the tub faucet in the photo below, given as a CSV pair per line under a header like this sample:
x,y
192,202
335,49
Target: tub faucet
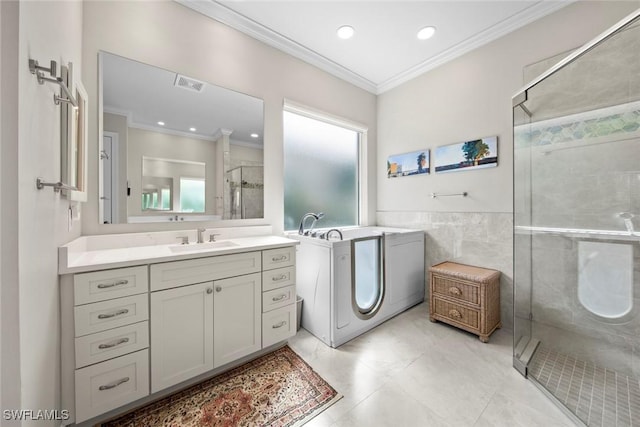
x,y
315,217
200,237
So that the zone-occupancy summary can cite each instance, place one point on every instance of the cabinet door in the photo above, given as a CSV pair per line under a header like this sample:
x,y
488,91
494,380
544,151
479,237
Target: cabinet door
x,y
237,318
181,334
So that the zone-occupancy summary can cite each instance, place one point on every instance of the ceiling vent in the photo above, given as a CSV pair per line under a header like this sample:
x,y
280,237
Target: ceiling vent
x,y
188,83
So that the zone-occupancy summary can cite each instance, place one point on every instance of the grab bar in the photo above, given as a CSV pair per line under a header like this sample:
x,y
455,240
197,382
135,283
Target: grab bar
x,y
463,194
36,69
57,186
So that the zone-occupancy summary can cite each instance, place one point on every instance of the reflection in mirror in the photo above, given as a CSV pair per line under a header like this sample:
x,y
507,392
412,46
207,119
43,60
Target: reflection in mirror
x,y
176,149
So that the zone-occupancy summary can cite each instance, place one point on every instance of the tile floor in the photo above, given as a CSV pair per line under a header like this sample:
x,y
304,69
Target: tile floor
x,y
411,372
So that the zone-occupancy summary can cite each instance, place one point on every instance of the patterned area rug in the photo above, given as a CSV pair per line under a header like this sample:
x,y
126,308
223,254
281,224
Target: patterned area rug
x,y
278,389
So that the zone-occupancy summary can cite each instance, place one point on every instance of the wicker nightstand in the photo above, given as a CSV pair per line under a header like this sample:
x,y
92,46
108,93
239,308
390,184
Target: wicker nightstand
x,y
466,297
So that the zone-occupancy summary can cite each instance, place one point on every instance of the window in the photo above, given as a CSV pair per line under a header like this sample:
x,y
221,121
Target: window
x,y
321,171
191,195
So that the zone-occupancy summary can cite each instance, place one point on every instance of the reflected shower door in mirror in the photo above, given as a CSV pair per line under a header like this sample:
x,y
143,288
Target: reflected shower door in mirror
x,y
170,146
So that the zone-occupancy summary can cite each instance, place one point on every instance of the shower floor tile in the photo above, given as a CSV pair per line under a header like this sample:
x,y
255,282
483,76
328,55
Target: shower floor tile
x,y
598,396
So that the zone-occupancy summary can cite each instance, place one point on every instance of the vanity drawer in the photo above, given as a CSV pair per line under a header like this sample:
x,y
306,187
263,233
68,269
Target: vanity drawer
x,y
108,385
180,273
100,316
278,325
278,298
116,342
109,284
278,278
280,257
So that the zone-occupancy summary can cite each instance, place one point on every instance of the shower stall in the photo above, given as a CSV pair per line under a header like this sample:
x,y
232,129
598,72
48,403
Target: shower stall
x,y
577,230
244,187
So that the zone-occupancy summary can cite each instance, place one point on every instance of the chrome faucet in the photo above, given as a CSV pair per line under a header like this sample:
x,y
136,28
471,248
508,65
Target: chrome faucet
x,y
315,217
200,237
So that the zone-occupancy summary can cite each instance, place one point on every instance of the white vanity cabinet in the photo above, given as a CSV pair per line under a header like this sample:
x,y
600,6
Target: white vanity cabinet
x,y
279,295
196,327
133,334
111,329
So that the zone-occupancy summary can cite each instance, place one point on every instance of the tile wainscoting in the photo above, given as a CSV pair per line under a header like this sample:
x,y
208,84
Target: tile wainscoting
x,y
476,238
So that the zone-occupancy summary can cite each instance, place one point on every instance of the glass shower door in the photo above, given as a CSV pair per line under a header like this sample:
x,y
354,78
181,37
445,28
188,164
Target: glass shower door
x,y
367,284
576,248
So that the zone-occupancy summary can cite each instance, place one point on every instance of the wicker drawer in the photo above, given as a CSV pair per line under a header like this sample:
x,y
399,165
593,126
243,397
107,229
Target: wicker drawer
x,y
453,312
465,296
456,288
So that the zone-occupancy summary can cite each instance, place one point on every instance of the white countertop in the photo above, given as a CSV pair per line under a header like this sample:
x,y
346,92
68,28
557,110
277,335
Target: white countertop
x,y
78,256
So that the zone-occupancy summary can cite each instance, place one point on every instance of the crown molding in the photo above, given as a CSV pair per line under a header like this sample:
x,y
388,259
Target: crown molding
x,y
235,20
531,14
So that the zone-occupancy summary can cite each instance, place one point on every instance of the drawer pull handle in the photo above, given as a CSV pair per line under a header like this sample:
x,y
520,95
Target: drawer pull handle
x,y
114,314
455,291
218,288
279,297
279,258
113,344
113,384
111,285
210,291
279,325
278,278
455,314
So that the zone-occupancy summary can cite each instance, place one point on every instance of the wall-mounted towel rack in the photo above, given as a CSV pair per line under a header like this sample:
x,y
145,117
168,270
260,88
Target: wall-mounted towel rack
x,y
57,186
463,194
39,70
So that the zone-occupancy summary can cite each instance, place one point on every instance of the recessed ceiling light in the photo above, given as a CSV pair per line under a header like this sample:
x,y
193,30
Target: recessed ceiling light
x,y
161,123
346,32
426,33
192,129
254,135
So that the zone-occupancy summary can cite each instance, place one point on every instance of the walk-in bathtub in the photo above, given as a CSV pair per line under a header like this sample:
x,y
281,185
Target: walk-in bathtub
x,y
352,285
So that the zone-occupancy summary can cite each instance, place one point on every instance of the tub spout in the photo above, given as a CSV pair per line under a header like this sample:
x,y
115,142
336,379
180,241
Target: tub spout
x,y
315,217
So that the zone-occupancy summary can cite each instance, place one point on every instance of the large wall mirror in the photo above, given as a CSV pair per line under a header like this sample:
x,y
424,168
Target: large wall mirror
x,y
175,148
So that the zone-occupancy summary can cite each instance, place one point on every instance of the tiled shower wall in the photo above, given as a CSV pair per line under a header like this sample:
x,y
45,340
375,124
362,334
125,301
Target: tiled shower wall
x,y
480,239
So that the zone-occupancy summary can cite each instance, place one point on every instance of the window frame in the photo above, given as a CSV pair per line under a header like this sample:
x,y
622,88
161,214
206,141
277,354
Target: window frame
x,y
362,169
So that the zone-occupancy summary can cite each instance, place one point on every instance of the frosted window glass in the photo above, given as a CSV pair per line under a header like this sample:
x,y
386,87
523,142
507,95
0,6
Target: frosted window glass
x,y
320,172
191,195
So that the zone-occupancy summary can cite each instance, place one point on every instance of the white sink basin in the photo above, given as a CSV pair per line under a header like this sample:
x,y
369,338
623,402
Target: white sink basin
x,y
199,247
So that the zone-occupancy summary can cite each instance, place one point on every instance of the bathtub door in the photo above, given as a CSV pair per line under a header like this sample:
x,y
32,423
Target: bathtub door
x,y
367,284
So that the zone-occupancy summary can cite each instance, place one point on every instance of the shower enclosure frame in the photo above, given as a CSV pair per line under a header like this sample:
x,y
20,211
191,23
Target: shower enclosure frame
x,y
524,350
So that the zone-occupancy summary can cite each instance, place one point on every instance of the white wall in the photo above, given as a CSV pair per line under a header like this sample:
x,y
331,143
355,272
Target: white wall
x,y
466,99
168,35
47,30
9,289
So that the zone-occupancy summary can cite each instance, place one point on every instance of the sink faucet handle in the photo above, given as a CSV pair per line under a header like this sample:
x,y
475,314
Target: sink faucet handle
x,y
212,237
200,231
185,239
